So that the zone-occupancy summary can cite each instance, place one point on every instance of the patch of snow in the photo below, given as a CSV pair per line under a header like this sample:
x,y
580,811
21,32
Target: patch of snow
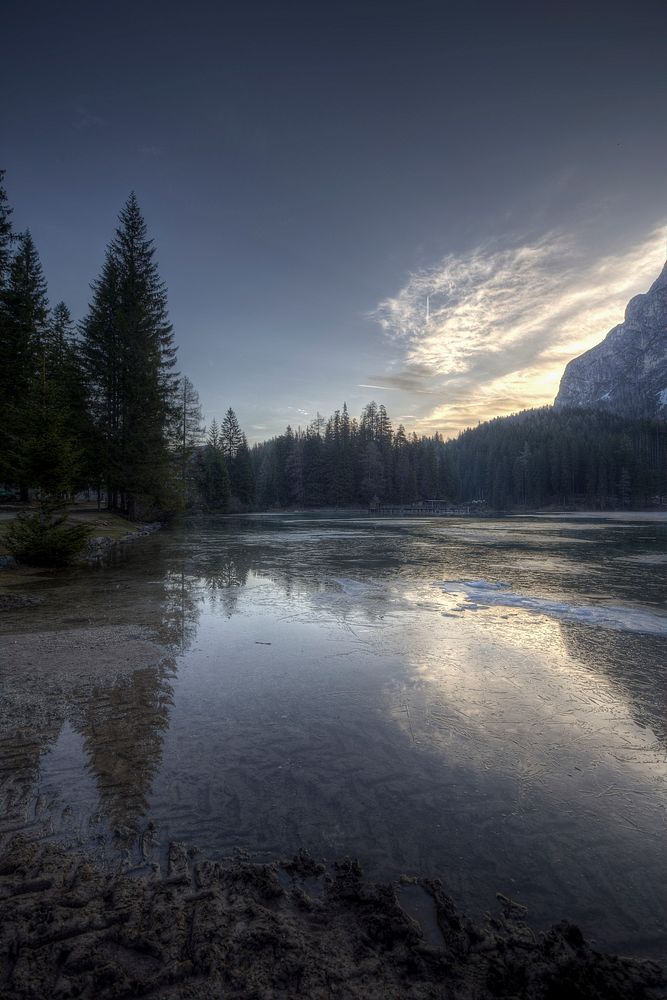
x,y
621,619
662,397
607,395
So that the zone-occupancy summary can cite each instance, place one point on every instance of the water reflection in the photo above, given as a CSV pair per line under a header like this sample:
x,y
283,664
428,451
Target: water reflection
x,y
180,609
635,669
123,727
323,691
115,692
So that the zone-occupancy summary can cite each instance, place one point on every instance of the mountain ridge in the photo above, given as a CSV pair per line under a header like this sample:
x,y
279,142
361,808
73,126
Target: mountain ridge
x,y
627,371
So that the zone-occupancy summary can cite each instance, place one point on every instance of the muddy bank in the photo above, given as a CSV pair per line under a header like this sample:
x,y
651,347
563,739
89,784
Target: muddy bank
x,y
99,546
107,531
291,929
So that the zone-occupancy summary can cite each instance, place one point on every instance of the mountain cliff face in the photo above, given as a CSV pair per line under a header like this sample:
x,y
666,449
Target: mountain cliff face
x,y
627,372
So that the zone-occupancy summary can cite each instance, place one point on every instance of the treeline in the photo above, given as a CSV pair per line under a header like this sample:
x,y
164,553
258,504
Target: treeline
x,y
537,458
570,457
221,474
100,405
344,461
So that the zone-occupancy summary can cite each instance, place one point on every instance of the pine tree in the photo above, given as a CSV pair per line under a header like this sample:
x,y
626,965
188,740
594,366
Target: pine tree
x,y
231,435
189,430
24,325
6,340
212,479
6,234
213,437
129,354
243,477
27,300
59,336
294,471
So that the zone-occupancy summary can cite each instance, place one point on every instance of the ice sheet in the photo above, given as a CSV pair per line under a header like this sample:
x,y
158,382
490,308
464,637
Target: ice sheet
x,y
617,617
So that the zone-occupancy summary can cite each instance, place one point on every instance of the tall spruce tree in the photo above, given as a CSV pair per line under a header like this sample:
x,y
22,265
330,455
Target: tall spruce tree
x,y
189,432
211,476
129,356
6,335
24,331
56,425
6,234
231,435
243,475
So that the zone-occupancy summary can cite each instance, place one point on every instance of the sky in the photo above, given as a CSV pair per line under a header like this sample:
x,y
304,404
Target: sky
x,y
312,170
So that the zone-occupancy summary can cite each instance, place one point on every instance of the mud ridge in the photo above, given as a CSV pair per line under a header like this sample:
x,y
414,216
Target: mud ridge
x,y
299,928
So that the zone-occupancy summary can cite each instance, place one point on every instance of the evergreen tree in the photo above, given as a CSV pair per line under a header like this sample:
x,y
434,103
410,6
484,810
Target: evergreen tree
x,y
213,437
294,470
24,325
212,479
6,234
6,340
27,300
243,475
373,481
189,431
345,478
314,466
231,436
129,354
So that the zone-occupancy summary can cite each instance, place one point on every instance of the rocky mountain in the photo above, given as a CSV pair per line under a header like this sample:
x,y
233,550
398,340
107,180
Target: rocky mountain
x,y
627,372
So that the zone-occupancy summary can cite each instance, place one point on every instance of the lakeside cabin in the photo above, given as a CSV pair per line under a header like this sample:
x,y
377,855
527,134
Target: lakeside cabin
x,y
423,508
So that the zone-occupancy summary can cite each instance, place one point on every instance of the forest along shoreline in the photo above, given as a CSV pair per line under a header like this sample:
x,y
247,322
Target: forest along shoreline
x,y
188,926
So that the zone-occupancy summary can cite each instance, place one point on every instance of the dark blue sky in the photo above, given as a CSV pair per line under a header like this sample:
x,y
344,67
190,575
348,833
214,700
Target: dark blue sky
x,y
302,163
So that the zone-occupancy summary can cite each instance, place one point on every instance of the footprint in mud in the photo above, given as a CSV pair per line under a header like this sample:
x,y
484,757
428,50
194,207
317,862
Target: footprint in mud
x,y
149,842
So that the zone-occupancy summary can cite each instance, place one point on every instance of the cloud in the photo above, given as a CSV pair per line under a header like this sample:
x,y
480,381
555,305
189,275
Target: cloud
x,y
503,320
415,378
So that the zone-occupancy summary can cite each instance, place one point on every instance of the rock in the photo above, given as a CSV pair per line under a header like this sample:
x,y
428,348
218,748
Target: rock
x,y
100,545
627,372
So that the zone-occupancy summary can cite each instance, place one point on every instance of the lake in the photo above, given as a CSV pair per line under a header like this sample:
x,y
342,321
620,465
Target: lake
x,y
481,700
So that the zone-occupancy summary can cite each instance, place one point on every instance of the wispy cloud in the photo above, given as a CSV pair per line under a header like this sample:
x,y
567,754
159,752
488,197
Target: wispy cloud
x,y
504,320
372,385
415,378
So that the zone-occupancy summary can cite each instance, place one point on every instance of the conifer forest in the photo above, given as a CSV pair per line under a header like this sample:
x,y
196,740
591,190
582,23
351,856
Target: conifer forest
x,y
98,404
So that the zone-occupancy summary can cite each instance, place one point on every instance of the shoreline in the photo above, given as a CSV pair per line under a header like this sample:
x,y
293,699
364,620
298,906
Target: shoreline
x,y
94,932
205,929
110,531
168,921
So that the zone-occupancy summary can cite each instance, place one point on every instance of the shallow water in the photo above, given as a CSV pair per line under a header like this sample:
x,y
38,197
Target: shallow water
x,y
478,700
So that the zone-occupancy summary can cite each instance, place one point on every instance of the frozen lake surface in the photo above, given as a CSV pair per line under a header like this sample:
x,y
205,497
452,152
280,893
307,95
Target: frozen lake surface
x,y
481,700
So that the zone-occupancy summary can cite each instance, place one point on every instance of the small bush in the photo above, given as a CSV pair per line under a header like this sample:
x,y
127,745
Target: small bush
x,y
45,538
